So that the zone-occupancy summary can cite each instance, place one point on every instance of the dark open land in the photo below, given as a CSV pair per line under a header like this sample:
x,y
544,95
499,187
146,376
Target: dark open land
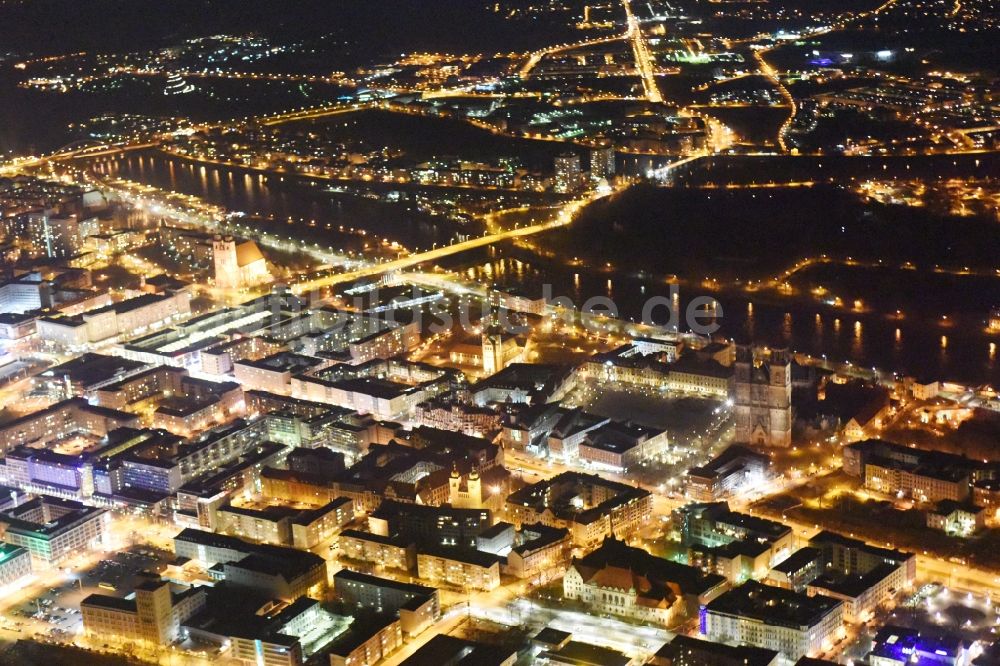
x,y
869,520
751,234
423,138
751,124
890,288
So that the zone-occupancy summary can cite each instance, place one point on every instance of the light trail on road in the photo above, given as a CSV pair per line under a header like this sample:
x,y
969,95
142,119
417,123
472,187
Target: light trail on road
x,y
565,216
643,60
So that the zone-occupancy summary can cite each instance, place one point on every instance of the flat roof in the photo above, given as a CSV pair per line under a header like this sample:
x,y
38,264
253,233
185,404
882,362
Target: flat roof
x,y
826,537
584,654
854,586
444,649
360,632
91,368
773,605
129,305
798,560
375,538
746,655
112,603
551,636
375,581
466,555
379,388
496,530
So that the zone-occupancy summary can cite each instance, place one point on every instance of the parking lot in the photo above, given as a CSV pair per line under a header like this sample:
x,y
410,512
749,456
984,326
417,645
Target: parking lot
x,y
55,612
933,609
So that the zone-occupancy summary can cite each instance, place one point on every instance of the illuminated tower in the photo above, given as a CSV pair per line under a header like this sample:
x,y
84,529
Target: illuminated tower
x,y
493,361
154,607
602,162
763,397
227,268
475,491
454,483
567,176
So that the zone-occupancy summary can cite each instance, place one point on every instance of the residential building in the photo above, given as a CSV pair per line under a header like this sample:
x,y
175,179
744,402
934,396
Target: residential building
x,y
430,525
418,606
735,470
367,642
686,651
538,550
153,614
568,176
797,570
862,594
389,552
852,557
714,524
602,162
961,519
926,476
115,322
61,420
736,561
592,508
775,619
463,568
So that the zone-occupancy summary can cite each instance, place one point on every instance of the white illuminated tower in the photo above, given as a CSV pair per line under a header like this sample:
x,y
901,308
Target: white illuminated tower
x,y
567,176
227,269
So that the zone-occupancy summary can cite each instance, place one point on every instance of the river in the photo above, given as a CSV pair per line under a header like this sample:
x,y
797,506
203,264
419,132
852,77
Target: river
x,y
919,343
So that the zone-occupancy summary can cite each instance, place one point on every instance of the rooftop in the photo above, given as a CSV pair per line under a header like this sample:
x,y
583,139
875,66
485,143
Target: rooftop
x,y
699,649
773,605
798,560
584,654
387,583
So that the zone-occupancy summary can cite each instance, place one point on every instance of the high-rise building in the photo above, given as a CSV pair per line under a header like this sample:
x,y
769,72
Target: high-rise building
x,y
763,396
602,162
567,177
59,236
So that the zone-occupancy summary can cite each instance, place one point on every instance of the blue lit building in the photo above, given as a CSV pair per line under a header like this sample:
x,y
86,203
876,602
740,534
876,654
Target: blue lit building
x,y
901,646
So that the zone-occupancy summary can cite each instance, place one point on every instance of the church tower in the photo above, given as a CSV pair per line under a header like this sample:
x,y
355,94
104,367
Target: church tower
x,y
227,269
475,490
493,361
762,396
780,398
454,483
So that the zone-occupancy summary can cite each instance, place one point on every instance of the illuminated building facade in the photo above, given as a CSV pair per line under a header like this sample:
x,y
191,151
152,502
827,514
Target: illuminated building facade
x,y
763,397
567,173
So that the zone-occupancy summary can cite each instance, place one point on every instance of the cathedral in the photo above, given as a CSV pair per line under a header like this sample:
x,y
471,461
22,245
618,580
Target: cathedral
x,y
470,491
763,396
238,263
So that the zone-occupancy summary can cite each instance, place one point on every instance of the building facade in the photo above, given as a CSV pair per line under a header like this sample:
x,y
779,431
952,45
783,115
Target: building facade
x,y
763,397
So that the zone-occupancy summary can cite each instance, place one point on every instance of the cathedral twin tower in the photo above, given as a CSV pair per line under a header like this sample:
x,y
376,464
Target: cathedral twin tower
x,y
763,396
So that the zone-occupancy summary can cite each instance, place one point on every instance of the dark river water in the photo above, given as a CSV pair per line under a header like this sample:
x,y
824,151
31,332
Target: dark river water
x,y
919,343
282,197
